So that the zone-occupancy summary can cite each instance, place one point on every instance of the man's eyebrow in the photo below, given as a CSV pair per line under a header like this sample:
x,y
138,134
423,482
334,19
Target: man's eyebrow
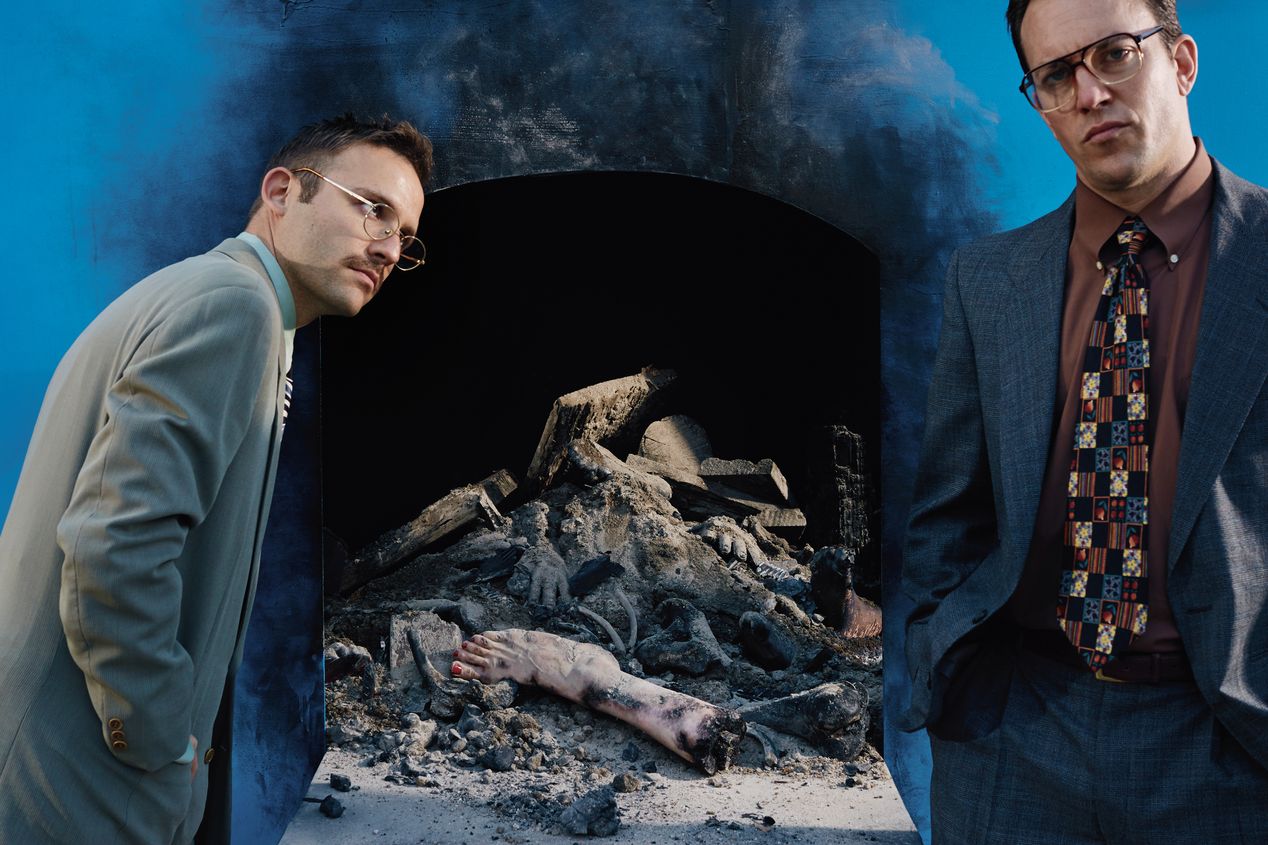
x,y
371,194
1065,57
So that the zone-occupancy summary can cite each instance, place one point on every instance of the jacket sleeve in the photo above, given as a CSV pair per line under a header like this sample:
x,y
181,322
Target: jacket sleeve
x,y
953,525
175,417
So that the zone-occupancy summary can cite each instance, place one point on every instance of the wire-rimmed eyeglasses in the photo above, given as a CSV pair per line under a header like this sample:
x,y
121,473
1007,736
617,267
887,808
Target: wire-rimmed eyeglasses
x,y
380,223
1111,60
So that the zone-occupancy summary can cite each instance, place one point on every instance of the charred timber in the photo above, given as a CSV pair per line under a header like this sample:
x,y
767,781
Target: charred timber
x,y
439,524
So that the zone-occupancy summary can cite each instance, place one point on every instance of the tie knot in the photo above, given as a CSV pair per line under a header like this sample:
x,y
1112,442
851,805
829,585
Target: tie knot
x,y
1131,235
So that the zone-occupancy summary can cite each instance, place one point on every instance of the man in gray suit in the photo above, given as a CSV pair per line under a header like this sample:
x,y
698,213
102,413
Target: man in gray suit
x,y
128,559
1088,545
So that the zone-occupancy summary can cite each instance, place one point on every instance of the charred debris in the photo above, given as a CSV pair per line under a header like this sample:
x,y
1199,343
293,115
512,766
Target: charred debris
x,y
687,567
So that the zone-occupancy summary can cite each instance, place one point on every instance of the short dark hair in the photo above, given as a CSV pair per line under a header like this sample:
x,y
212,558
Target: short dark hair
x,y
1164,12
317,143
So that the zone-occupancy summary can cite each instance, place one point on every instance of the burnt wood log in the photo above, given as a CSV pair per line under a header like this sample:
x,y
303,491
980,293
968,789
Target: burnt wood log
x,y
440,523
762,479
840,503
612,413
671,473
786,522
691,495
678,441
587,462
593,573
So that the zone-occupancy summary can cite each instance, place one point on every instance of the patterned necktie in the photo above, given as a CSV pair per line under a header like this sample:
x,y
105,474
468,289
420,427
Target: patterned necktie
x,y
1103,598
286,398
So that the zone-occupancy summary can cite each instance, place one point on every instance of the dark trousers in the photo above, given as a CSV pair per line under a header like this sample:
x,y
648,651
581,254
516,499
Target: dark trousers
x,y
1075,760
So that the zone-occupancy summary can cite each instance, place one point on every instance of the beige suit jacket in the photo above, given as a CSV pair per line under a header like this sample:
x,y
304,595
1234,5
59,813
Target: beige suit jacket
x,y
128,559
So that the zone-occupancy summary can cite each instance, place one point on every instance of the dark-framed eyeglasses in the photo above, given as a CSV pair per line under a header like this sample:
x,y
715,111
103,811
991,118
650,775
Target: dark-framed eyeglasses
x,y
380,223
1111,60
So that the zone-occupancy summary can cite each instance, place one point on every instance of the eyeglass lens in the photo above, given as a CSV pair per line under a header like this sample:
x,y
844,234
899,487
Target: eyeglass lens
x,y
381,221
413,253
1116,59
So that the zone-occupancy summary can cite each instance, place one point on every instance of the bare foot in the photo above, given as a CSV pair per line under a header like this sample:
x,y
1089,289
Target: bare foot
x,y
567,668
695,730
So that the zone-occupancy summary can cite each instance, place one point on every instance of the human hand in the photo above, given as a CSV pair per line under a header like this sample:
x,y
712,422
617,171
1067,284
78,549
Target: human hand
x,y
549,575
731,541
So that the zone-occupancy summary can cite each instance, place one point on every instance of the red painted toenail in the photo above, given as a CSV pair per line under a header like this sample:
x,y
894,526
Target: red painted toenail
x,y
456,669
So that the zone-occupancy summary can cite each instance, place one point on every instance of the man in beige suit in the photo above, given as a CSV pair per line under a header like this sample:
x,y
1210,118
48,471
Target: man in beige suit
x,y
128,559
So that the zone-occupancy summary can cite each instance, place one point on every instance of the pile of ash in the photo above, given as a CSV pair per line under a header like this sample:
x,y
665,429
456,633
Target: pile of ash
x,y
717,639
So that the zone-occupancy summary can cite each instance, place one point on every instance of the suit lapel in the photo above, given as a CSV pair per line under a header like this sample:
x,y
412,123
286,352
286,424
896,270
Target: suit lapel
x,y
1030,359
1232,350
245,255
242,253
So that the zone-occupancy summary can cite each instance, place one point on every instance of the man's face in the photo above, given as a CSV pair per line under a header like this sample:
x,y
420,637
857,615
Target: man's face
x,y
1122,137
332,265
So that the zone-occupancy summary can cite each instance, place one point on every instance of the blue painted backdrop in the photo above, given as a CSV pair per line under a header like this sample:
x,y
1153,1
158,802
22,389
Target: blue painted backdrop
x,y
137,133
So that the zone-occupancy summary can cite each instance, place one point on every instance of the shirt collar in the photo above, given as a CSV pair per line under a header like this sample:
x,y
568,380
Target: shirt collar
x,y
1172,216
280,286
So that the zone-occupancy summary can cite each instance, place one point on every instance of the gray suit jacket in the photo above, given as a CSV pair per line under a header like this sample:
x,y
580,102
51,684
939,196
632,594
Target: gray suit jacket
x,y
129,556
992,405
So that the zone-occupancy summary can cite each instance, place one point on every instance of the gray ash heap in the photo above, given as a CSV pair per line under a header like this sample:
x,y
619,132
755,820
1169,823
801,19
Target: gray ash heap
x,y
661,600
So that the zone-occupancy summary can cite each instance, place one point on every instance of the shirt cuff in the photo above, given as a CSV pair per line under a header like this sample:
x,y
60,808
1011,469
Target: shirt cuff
x,y
188,756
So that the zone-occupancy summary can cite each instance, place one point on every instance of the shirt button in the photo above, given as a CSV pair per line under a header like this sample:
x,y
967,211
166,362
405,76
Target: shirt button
x,y
1100,266
1175,259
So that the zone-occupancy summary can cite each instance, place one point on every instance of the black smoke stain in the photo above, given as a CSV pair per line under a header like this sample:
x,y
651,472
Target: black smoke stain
x,y
825,105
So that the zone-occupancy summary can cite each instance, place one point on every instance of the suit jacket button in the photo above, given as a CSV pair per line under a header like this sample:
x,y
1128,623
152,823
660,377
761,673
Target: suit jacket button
x,y
117,735
115,724
209,756
119,745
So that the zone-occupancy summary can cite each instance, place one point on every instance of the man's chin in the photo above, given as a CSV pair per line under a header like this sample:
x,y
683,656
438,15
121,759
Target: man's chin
x,y
1113,174
347,307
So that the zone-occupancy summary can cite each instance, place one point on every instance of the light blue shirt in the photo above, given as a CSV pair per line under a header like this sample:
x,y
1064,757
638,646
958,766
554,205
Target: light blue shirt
x,y
280,287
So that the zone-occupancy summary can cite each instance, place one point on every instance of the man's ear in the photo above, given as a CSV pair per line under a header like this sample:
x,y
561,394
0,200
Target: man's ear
x,y
1185,55
275,190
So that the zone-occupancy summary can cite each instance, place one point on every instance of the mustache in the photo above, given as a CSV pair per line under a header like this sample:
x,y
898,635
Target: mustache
x,y
373,267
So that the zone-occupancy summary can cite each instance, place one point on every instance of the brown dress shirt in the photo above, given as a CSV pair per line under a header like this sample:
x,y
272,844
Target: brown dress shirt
x,y
1175,259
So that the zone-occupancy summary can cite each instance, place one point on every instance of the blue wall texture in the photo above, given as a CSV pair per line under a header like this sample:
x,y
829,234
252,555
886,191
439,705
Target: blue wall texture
x,y
145,127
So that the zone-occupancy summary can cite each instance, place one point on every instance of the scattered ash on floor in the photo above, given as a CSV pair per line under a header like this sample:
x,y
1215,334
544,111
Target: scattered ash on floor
x,y
685,569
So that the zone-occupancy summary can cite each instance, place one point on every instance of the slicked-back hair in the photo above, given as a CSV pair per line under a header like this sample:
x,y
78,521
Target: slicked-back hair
x,y
317,143
1164,12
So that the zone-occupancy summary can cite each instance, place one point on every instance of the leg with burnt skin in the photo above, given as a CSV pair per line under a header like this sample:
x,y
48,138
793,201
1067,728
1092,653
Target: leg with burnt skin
x,y
832,586
695,730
